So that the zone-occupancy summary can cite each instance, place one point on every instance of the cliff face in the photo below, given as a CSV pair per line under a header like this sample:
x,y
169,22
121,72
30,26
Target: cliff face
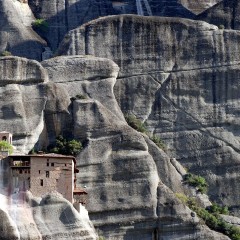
x,y
225,13
178,76
16,34
63,16
168,8
130,181
198,6
184,86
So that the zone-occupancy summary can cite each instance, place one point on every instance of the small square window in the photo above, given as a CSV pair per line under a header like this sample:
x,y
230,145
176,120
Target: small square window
x,y
52,164
47,164
20,171
39,171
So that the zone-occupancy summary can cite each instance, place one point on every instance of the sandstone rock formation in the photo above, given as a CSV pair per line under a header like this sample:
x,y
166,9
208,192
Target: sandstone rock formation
x,y
50,217
225,13
177,75
167,8
16,34
63,16
198,6
22,100
128,178
183,85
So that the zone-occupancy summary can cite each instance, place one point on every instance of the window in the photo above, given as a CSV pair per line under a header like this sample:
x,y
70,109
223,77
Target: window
x,y
39,171
41,182
20,171
47,162
52,164
47,174
56,180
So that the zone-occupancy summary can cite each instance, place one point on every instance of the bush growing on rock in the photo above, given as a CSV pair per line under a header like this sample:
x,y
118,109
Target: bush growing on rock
x,y
6,53
141,127
136,123
213,220
40,24
159,142
196,181
5,146
67,147
215,208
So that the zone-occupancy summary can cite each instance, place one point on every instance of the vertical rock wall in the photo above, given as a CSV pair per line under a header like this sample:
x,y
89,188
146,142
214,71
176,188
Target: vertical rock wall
x,y
181,78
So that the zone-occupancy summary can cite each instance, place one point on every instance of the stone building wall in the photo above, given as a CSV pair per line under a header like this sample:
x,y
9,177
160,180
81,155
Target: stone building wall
x,y
52,174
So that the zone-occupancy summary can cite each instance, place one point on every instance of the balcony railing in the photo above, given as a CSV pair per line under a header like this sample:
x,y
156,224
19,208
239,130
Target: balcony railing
x,y
20,164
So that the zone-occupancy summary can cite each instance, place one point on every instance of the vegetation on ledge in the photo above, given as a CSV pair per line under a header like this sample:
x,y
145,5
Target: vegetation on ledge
x,y
141,127
40,24
67,147
196,181
211,217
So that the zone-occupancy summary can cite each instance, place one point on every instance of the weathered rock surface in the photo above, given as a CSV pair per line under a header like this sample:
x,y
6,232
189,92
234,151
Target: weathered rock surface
x,y
225,13
63,16
130,181
16,34
198,6
167,8
50,217
22,100
184,86
127,177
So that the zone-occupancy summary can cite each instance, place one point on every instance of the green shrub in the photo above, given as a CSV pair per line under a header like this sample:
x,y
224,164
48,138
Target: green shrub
x,y
6,53
5,146
196,181
158,141
67,147
215,208
182,197
212,220
40,24
136,123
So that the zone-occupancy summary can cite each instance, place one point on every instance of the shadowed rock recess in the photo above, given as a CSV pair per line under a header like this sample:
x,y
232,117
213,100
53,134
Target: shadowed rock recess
x,y
224,14
16,34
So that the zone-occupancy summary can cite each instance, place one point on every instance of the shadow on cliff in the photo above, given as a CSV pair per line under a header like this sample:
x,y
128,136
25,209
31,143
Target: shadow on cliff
x,y
66,20
85,11
28,49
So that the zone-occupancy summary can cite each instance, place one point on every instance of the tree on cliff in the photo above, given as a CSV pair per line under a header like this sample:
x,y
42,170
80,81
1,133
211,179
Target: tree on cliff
x,y
5,146
67,147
